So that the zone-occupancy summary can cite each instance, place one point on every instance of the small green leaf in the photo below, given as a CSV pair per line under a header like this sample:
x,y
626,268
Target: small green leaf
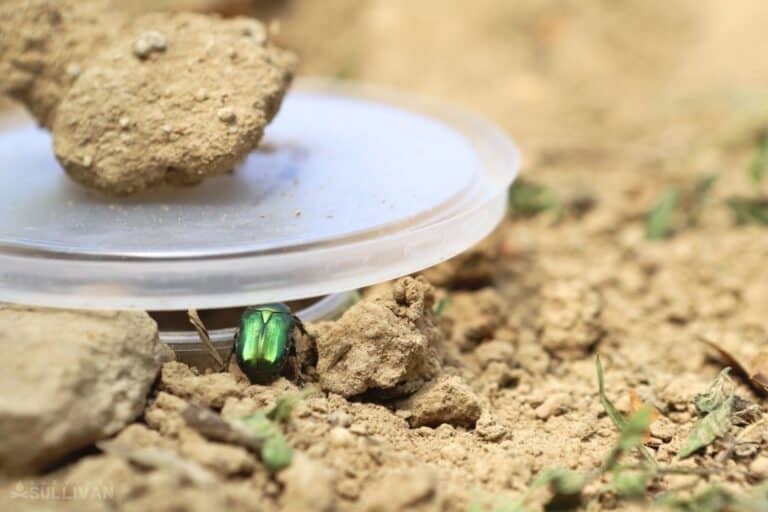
x,y
659,221
283,409
630,484
698,197
747,210
529,199
439,307
718,392
707,429
635,429
759,162
711,499
717,406
566,487
261,425
276,453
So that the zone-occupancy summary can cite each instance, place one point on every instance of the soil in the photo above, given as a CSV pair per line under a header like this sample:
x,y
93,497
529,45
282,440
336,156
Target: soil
x,y
415,410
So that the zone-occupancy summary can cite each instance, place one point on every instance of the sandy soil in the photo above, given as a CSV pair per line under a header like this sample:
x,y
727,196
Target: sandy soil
x,y
610,101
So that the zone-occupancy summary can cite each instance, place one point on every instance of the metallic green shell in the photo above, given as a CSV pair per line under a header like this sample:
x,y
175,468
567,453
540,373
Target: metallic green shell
x,y
264,341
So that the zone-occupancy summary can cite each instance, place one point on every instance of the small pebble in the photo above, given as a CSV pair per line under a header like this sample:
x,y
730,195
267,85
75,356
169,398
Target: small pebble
x,y
201,94
340,419
73,70
87,160
550,406
124,122
149,42
348,488
759,466
340,437
663,428
226,115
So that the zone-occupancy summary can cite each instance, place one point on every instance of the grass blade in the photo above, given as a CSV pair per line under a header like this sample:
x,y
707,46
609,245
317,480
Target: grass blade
x,y
659,223
759,162
619,421
749,210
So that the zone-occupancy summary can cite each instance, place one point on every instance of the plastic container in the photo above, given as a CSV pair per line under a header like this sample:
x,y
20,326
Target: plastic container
x,y
353,185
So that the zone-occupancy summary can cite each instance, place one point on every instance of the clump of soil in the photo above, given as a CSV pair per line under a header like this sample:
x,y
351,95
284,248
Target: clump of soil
x,y
386,343
162,98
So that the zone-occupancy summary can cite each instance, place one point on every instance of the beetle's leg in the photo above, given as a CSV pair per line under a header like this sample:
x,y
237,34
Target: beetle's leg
x,y
205,339
232,350
293,361
300,325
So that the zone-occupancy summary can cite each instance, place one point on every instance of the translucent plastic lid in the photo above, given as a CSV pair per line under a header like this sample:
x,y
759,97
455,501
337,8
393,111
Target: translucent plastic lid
x,y
352,186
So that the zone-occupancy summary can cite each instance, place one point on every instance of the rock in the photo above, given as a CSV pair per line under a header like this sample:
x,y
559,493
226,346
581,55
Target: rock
x,y
164,414
384,343
137,436
677,392
446,400
569,318
488,429
551,406
309,485
211,389
759,466
235,408
402,490
224,459
495,351
151,73
340,437
70,378
663,428
340,418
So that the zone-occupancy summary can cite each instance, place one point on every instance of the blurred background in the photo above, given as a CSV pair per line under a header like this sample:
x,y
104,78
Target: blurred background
x,y
640,84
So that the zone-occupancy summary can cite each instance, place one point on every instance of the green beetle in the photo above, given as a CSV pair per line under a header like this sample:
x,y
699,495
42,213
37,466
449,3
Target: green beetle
x,y
265,341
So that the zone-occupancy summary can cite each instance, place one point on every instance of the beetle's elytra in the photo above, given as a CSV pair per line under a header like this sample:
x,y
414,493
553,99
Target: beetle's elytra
x,y
264,341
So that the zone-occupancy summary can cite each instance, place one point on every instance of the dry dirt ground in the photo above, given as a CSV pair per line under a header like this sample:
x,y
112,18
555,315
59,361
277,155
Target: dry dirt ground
x,y
612,103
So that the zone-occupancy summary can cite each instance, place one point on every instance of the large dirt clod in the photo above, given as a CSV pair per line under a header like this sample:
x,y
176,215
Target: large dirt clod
x,y
387,342
446,400
70,379
175,99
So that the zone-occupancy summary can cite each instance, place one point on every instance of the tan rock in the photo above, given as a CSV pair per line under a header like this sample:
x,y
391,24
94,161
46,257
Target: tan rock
x,y
309,485
446,400
70,378
211,389
164,414
224,459
386,342
149,75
